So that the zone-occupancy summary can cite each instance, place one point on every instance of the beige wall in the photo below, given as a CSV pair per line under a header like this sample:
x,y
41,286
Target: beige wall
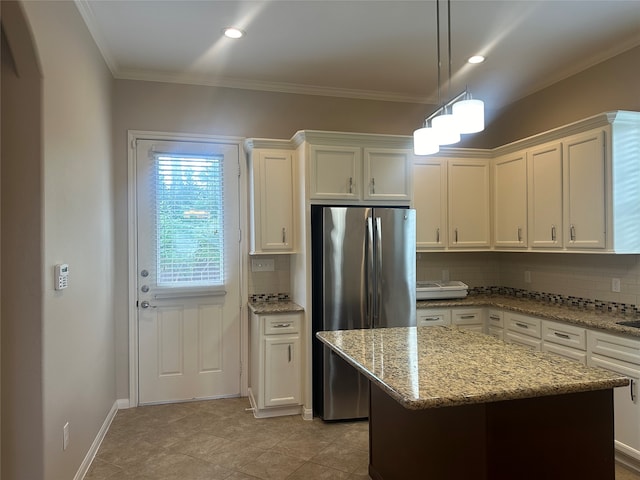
x,y
22,366
610,85
73,207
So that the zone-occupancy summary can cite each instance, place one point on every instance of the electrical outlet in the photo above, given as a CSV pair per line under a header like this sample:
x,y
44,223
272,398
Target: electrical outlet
x,y
527,276
262,265
65,436
445,275
615,284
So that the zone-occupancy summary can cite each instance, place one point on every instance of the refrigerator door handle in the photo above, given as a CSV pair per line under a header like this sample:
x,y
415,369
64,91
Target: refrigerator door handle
x,y
378,269
369,274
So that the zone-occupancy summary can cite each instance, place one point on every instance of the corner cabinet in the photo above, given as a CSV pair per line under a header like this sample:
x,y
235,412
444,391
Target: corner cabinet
x,y
275,364
468,203
271,201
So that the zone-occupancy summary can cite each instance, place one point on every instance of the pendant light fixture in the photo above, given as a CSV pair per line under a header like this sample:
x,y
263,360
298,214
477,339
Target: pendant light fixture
x,y
460,115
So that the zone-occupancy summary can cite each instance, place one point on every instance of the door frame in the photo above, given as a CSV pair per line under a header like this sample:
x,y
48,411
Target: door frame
x,y
132,237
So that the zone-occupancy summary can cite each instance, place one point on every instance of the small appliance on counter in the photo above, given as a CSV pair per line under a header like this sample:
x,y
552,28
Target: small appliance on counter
x,y
431,290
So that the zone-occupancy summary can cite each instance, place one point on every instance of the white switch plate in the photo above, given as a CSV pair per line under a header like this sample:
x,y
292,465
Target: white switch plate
x,y
615,284
262,264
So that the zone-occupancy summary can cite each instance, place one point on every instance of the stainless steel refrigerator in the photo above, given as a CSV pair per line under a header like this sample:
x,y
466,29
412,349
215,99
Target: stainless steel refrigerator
x,y
364,276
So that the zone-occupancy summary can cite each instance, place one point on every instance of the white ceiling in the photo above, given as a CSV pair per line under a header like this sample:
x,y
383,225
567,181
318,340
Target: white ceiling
x,y
379,49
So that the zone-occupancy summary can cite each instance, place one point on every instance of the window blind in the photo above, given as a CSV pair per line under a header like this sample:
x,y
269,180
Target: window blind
x,y
189,220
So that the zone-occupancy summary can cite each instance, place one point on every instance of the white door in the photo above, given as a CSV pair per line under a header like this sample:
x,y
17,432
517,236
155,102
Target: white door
x,y
188,270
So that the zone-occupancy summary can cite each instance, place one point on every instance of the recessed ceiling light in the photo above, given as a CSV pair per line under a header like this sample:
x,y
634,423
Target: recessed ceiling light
x,y
233,32
476,59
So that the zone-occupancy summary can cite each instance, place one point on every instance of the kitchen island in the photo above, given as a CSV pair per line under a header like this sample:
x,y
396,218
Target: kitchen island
x,y
450,404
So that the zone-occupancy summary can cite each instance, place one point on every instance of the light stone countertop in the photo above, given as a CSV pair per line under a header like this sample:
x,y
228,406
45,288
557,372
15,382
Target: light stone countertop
x,y
585,317
262,308
430,367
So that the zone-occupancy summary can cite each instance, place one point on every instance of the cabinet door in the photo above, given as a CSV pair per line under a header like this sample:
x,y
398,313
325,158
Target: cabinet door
x,y
510,200
584,190
545,196
468,203
626,404
430,203
335,172
388,174
282,370
275,223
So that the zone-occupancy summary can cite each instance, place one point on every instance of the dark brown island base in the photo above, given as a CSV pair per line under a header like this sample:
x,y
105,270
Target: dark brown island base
x,y
449,404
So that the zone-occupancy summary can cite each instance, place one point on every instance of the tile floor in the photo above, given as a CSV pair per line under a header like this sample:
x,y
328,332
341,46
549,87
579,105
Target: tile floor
x,y
220,439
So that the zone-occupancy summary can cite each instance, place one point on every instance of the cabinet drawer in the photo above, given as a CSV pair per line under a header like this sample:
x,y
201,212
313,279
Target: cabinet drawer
x,y
566,352
278,324
496,319
467,317
525,340
524,325
570,336
612,346
433,317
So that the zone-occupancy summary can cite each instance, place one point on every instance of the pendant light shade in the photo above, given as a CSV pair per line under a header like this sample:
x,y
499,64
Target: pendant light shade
x,y
425,141
446,128
469,115
461,114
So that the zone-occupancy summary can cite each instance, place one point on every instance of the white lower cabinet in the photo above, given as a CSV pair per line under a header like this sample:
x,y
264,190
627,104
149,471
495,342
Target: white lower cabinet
x,y
621,355
276,372
495,323
468,319
427,317
565,340
523,330
465,318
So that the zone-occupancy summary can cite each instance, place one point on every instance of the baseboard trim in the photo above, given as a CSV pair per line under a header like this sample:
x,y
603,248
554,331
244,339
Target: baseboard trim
x,y
124,403
88,459
307,413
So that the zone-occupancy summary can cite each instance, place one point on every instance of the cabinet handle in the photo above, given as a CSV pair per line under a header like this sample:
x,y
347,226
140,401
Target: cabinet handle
x,y
553,233
494,317
281,325
284,235
431,319
289,353
521,325
572,233
373,185
633,397
456,236
350,184
562,335
438,235
467,317
519,234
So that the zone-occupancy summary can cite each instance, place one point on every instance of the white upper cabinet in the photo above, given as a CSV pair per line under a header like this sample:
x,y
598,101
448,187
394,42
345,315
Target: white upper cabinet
x,y
468,203
584,190
335,172
430,202
271,201
510,201
388,174
358,168
545,196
